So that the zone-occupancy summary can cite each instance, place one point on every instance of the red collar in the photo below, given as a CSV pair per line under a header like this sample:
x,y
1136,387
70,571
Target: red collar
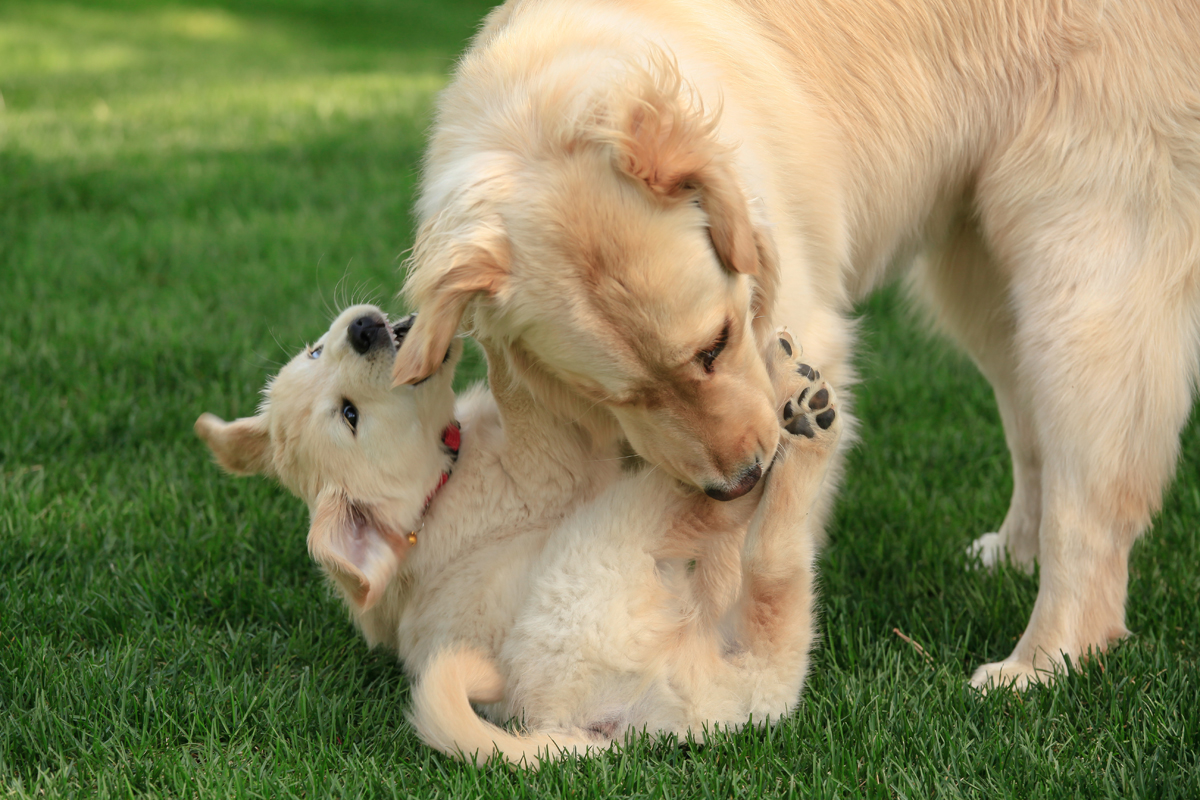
x,y
451,440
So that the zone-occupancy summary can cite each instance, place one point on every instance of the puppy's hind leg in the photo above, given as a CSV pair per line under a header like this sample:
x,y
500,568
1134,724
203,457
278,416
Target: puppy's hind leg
x,y
770,628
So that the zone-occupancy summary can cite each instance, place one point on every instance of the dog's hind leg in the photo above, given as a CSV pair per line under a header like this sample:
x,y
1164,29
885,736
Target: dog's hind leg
x,y
1110,382
969,299
770,628
1106,309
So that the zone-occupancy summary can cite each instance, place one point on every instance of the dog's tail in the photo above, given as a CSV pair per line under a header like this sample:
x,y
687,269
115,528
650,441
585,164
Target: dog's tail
x,y
442,714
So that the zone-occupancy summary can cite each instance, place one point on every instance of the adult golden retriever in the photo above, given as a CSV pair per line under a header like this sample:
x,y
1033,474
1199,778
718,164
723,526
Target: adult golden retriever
x,y
623,194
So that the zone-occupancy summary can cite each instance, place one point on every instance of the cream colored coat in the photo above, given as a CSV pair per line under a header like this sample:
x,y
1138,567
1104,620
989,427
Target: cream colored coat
x,y
609,182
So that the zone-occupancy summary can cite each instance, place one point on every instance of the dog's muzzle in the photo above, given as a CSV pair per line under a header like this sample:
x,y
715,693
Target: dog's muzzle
x,y
747,482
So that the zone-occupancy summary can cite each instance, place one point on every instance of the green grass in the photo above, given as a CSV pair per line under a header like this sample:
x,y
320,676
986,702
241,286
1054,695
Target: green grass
x,y
186,191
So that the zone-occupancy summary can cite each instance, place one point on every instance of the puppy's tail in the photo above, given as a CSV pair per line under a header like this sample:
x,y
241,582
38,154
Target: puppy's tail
x,y
442,714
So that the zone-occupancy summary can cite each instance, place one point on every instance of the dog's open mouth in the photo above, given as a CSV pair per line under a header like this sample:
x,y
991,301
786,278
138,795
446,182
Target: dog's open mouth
x,y
401,329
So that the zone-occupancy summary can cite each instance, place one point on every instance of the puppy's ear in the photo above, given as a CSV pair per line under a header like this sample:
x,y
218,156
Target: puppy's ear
x,y
671,146
358,553
242,447
473,262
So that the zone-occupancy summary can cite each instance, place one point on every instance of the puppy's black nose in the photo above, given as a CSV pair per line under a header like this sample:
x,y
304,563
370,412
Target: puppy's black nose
x,y
364,333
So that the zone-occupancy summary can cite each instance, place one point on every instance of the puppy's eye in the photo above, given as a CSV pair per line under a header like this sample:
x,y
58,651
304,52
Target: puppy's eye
x,y
350,414
708,356
316,351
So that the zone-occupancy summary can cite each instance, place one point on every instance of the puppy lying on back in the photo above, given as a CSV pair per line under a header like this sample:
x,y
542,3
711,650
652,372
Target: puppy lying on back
x,y
528,576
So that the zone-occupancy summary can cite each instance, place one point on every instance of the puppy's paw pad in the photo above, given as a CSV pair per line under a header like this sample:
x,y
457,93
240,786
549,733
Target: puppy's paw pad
x,y
809,414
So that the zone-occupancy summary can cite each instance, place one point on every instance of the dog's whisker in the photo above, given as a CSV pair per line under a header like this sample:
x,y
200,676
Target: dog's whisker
x,y
362,294
589,408
329,310
648,473
339,289
282,347
263,361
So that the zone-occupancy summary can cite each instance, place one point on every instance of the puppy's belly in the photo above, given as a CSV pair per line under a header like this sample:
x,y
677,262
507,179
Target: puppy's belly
x,y
593,645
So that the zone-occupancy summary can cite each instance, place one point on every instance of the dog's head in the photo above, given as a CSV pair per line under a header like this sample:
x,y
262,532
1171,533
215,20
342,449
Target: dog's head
x,y
612,259
365,456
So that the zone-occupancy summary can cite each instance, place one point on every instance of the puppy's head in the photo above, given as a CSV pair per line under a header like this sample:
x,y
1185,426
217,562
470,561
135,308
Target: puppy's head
x,y
613,257
365,456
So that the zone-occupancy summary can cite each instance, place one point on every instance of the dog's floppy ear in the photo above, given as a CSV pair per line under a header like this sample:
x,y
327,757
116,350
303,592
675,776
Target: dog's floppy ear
x,y
242,447
766,286
354,549
448,270
671,146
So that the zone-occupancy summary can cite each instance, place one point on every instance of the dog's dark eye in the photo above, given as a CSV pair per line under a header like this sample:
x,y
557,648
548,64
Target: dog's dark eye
x,y
316,351
708,356
350,414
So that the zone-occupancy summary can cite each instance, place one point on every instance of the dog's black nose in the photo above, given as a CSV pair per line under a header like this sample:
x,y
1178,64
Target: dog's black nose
x,y
747,482
364,332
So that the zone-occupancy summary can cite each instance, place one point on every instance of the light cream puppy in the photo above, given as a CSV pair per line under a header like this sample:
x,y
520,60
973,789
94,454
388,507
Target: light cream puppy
x,y
620,196
538,580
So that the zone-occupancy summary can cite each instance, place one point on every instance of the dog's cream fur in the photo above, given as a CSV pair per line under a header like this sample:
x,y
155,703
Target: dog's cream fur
x,y
1032,168
544,583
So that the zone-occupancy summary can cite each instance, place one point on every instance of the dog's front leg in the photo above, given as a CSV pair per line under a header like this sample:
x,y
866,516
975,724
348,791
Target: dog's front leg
x,y
770,628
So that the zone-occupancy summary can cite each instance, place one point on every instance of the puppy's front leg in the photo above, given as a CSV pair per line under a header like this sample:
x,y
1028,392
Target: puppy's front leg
x,y
771,626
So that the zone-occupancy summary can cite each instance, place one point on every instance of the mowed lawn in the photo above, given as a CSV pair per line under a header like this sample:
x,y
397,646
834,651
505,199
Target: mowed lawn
x,y
187,192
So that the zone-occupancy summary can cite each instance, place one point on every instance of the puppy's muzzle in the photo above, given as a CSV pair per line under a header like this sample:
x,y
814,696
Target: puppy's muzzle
x,y
368,332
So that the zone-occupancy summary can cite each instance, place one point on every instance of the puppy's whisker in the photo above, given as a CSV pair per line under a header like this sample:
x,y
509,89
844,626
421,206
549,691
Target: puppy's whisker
x,y
329,311
362,294
264,361
281,345
340,286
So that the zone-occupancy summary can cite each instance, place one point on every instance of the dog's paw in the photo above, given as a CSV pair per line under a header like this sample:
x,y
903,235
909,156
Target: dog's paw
x,y
991,551
988,549
1011,675
808,405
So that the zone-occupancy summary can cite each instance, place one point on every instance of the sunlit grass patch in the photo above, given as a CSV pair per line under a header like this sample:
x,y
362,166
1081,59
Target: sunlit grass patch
x,y
87,84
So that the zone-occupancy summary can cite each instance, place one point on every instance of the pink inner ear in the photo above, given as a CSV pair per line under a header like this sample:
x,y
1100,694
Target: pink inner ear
x,y
359,555
373,555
